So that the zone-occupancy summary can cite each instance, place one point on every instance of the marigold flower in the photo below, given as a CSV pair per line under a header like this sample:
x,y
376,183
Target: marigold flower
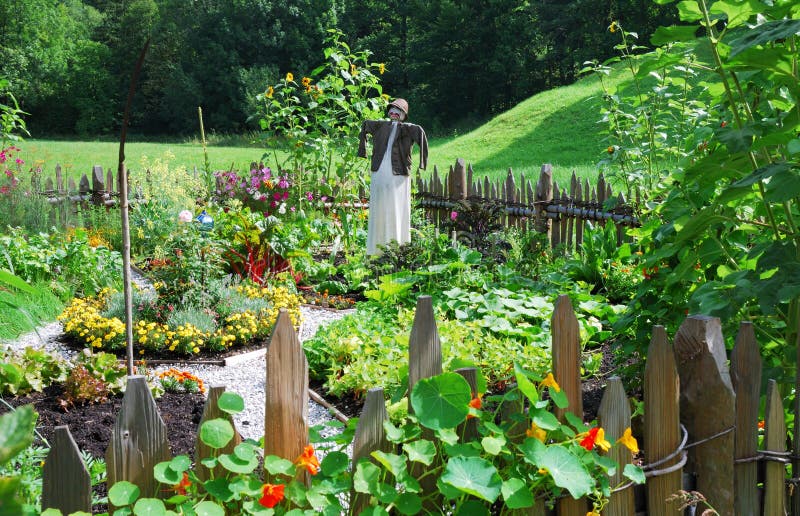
x,y
536,432
308,460
610,149
549,381
595,437
629,441
181,486
271,494
289,77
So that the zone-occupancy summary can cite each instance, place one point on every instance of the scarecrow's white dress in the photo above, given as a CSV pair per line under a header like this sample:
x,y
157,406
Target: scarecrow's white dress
x,y
389,203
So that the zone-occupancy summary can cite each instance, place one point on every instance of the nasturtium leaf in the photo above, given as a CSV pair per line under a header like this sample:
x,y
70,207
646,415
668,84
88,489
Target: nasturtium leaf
x,y
180,463
408,503
366,477
334,462
544,419
374,511
395,464
150,507
517,494
218,488
420,451
473,475
123,493
559,397
493,444
165,474
254,508
532,450
244,451
567,471
208,508
393,433
450,492
210,462
634,473
216,433
472,508
441,401
386,493
234,464
524,384
461,450
446,435
230,402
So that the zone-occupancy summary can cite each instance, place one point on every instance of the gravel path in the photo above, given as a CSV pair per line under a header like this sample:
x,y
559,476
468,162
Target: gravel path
x,y
245,378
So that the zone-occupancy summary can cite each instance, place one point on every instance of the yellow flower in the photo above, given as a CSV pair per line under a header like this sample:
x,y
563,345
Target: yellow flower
x,y
629,441
536,432
352,69
270,92
306,81
549,381
381,68
289,77
613,27
592,513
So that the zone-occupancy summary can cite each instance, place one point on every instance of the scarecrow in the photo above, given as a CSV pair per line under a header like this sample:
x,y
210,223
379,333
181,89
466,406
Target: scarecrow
x,y
390,185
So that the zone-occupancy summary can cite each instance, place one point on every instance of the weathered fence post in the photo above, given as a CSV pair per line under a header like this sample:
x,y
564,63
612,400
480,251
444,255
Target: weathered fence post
x,y
138,440
542,196
66,484
707,407
775,447
211,411
566,347
662,433
370,436
457,182
746,381
424,361
286,393
615,417
469,429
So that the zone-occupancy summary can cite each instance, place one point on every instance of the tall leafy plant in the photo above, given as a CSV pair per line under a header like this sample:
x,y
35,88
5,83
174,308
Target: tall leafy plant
x,y
722,235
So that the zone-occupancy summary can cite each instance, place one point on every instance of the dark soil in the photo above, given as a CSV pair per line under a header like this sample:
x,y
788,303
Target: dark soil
x,y
91,425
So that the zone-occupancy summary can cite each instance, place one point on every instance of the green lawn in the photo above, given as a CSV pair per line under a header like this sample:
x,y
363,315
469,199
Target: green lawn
x,y
558,126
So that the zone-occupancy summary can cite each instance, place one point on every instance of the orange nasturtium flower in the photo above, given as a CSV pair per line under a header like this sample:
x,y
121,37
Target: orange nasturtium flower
x,y
595,437
271,494
592,513
629,441
289,77
308,460
475,403
181,486
536,432
549,381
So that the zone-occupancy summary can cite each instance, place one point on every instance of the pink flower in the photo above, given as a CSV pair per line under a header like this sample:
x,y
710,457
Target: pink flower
x,y
324,198
310,196
276,196
453,215
283,183
19,161
4,189
292,208
285,195
185,216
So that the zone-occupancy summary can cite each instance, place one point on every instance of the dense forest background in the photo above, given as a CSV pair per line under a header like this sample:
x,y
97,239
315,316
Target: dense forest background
x,y
458,62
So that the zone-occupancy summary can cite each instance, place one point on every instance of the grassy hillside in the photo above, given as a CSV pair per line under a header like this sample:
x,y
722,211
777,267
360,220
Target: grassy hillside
x,y
558,126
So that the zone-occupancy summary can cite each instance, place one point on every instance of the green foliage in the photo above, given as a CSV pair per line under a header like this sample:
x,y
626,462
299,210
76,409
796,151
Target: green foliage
x,y
12,125
82,388
16,434
30,370
721,238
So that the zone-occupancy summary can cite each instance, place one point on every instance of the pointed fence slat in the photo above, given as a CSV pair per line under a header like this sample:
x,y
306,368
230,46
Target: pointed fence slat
x,y
66,484
614,417
138,440
662,434
566,371
370,436
211,411
286,392
424,347
707,407
746,381
774,443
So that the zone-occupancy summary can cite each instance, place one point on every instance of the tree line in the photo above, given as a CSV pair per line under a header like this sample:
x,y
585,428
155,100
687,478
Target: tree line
x,y
458,62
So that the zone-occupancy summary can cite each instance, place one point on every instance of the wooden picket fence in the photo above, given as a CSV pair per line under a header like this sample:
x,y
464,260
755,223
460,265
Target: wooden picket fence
x,y
542,206
700,425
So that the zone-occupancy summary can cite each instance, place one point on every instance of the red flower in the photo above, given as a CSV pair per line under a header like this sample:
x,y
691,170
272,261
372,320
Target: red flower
x,y
181,486
309,460
271,494
475,403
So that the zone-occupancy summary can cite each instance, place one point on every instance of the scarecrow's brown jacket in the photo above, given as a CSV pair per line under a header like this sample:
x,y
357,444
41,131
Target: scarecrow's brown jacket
x,y
407,135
